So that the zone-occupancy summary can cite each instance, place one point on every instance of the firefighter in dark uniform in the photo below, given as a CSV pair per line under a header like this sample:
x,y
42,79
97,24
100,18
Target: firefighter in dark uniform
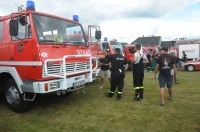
x,y
118,67
138,72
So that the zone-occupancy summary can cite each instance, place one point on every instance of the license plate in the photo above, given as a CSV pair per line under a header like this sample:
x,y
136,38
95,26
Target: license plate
x,y
79,84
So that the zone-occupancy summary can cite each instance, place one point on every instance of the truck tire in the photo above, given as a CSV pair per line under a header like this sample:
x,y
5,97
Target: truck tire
x,y
190,68
13,98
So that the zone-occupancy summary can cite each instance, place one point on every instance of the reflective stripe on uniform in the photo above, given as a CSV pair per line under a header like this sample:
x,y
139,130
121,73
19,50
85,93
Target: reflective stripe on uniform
x,y
136,87
119,92
112,92
142,87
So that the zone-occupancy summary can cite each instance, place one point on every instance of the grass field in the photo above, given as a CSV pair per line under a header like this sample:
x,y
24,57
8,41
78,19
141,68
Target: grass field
x,y
93,112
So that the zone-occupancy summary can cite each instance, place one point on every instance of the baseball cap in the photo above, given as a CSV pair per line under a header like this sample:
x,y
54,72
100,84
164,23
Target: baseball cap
x,y
164,48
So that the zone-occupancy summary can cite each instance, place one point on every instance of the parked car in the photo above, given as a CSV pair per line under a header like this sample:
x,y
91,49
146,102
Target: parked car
x,y
192,65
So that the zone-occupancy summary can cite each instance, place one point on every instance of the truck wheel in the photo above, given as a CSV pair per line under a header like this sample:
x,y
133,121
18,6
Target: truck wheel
x,y
190,68
13,98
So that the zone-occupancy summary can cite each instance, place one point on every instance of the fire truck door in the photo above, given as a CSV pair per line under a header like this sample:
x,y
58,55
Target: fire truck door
x,y
93,42
21,49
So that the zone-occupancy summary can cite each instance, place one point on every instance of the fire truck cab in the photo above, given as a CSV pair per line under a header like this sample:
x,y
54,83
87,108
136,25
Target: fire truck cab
x,y
129,52
110,46
39,55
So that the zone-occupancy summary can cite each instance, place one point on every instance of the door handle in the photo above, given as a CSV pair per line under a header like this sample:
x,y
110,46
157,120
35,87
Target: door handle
x,y
11,58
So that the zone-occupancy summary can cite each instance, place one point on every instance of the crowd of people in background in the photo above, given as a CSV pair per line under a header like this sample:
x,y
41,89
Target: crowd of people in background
x,y
114,66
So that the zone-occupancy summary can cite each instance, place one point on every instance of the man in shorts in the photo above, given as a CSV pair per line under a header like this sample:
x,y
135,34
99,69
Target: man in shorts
x,y
165,64
105,70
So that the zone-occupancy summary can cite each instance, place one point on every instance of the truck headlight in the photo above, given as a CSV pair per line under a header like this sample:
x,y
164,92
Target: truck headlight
x,y
54,85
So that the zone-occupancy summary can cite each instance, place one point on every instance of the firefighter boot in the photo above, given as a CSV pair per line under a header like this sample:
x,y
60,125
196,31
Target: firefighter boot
x,y
141,93
137,95
109,95
119,96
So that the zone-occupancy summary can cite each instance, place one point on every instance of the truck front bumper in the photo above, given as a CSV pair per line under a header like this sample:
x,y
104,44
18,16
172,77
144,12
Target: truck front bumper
x,y
73,83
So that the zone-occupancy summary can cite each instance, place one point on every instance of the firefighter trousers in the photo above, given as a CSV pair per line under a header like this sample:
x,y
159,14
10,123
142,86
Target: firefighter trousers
x,y
138,76
117,80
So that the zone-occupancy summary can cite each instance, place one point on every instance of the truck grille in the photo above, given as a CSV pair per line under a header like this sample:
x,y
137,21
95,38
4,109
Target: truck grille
x,y
57,69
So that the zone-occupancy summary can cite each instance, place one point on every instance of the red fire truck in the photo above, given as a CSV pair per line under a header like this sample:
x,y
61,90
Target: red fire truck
x,y
129,51
38,56
111,45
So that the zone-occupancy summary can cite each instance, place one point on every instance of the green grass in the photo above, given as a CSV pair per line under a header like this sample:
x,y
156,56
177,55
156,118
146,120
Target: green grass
x,y
93,112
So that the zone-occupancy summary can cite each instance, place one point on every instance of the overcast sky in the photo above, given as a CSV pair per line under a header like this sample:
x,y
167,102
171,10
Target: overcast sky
x,y
125,20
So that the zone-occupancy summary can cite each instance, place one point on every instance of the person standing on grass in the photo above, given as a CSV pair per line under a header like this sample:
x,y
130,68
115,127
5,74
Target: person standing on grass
x,y
184,58
118,67
165,64
149,63
105,70
176,59
138,72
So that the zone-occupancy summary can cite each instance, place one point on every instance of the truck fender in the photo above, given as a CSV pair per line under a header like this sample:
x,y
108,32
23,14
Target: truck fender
x,y
13,72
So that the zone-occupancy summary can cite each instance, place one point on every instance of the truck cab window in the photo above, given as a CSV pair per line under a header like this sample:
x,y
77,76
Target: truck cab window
x,y
57,31
24,28
1,30
92,34
131,50
105,45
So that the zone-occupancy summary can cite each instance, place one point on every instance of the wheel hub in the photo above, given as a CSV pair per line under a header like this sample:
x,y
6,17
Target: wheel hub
x,y
190,68
12,96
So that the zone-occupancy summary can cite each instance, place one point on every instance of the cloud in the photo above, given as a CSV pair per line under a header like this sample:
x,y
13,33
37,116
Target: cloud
x,y
91,11
129,30
123,20
195,16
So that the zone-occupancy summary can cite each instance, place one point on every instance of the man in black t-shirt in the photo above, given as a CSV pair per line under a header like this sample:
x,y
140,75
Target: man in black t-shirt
x,y
105,70
118,67
165,64
184,56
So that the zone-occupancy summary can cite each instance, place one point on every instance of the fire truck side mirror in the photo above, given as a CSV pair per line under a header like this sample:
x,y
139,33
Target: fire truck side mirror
x,y
13,27
98,34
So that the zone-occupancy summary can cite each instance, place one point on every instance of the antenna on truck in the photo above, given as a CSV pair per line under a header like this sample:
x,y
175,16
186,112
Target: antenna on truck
x,y
20,8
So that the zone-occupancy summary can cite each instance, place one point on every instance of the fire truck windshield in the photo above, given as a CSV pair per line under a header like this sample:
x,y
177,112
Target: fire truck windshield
x,y
116,45
51,30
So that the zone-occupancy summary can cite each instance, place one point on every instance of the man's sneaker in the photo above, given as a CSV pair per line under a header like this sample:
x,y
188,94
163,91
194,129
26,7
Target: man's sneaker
x,y
109,95
161,103
170,98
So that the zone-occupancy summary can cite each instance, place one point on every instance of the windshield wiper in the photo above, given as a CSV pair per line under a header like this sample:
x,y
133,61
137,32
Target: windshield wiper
x,y
47,41
77,43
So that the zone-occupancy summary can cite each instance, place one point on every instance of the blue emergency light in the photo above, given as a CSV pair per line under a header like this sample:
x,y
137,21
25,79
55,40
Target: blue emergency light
x,y
75,18
30,5
105,39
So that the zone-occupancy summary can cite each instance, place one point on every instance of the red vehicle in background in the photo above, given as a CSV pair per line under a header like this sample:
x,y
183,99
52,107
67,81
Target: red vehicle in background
x,y
129,51
111,45
191,48
192,65
39,55
152,49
